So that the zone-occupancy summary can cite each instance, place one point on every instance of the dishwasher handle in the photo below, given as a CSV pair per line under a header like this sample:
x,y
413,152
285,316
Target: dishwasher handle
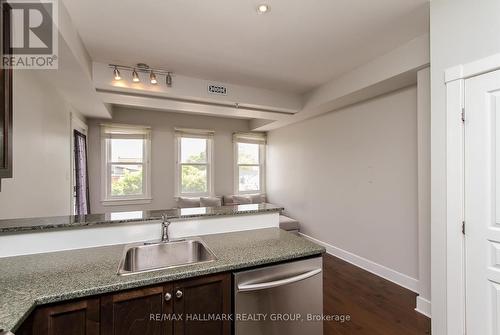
x,y
275,283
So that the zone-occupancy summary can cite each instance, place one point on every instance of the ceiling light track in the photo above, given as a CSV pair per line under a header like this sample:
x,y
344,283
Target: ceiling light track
x,y
141,68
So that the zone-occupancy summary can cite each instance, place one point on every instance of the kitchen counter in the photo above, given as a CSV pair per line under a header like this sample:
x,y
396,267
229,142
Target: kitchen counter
x,y
29,281
78,221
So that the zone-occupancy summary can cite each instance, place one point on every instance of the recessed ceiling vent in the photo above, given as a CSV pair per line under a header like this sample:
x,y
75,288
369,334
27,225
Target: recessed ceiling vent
x,y
217,89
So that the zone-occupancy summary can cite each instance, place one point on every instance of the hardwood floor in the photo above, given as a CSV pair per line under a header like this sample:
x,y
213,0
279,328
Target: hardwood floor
x,y
376,306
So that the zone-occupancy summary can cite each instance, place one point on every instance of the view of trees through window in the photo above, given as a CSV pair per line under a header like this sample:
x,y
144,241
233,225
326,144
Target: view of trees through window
x,y
126,181
194,165
126,167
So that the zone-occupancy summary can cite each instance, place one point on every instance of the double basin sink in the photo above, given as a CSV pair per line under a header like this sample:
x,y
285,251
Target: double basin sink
x,y
164,255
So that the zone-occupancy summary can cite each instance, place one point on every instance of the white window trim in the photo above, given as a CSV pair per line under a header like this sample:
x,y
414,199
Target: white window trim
x,y
106,198
196,133
262,170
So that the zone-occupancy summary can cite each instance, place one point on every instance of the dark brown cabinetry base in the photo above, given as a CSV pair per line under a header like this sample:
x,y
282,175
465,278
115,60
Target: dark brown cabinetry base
x,y
193,306
76,318
133,312
203,300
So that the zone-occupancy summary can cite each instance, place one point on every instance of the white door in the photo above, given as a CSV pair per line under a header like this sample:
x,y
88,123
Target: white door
x,y
482,204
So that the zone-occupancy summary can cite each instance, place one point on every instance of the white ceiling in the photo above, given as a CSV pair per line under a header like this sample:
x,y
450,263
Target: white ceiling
x,y
299,45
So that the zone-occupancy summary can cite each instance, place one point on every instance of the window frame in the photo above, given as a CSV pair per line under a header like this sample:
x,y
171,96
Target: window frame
x,y
107,199
261,165
198,134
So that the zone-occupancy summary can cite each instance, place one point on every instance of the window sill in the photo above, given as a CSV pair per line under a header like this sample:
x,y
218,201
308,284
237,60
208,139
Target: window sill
x,y
249,193
193,195
123,202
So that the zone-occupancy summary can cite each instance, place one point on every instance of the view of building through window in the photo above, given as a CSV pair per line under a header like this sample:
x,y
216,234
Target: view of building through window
x,y
194,165
127,166
248,167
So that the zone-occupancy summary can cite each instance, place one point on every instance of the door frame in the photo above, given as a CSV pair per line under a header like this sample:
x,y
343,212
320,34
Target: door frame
x,y
454,245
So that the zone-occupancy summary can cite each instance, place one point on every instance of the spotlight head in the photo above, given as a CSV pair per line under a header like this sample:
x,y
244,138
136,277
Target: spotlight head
x,y
152,78
168,80
135,76
116,74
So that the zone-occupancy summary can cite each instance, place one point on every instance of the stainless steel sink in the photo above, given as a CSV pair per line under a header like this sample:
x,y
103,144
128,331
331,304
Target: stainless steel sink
x,y
164,255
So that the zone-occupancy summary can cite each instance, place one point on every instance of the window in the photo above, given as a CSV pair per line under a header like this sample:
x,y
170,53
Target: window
x,y
249,153
126,163
194,172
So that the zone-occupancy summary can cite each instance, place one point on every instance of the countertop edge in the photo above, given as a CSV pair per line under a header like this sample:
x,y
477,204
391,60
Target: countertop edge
x,y
76,225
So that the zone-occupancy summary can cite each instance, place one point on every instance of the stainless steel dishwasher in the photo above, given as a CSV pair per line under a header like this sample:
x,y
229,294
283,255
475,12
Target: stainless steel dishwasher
x,y
280,299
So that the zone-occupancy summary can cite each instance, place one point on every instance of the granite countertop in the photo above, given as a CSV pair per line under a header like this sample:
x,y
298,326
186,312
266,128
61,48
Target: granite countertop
x,y
28,281
75,221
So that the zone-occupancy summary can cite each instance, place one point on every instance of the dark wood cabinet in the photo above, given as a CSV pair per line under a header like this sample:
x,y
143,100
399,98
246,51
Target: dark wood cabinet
x,y
137,312
76,318
192,306
204,303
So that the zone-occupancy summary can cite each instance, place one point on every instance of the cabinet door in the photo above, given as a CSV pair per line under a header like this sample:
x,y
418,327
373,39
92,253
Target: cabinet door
x,y
76,318
137,312
199,299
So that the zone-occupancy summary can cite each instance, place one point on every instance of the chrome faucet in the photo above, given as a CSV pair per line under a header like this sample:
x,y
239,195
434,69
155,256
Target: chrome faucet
x,y
164,234
164,229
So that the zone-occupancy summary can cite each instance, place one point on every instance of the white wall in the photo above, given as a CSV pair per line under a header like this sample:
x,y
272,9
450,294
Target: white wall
x,y
461,31
41,177
350,178
162,153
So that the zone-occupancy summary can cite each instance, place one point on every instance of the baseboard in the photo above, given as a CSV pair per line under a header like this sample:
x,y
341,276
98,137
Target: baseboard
x,y
370,266
423,306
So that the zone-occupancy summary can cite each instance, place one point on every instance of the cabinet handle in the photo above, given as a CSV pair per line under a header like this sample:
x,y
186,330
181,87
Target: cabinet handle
x,y
168,296
178,294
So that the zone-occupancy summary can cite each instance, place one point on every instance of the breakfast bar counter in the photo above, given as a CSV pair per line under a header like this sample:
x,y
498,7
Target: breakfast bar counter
x,y
33,280
116,218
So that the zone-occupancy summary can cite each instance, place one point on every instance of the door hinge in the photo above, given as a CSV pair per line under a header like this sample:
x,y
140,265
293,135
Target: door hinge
x,y
463,114
463,227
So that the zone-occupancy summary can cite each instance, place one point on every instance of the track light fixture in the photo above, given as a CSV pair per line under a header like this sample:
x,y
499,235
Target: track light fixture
x,y
116,74
144,68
